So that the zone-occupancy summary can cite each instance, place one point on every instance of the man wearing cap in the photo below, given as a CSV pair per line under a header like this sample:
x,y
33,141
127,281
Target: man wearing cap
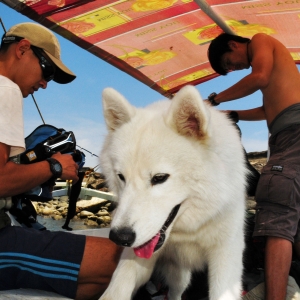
x,y
275,74
72,265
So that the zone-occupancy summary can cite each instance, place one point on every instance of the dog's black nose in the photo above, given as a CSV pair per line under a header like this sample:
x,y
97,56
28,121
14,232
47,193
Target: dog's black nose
x,y
123,236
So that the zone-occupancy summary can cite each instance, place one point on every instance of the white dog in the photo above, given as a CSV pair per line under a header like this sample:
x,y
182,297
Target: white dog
x,y
178,172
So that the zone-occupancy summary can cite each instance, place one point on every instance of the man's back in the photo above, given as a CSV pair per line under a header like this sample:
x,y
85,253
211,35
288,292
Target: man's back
x,y
283,88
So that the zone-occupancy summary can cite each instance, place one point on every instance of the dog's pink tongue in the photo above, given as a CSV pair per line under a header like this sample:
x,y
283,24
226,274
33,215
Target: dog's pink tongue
x,y
146,250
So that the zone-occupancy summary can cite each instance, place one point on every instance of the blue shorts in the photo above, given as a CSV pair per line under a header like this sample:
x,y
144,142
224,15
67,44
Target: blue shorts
x,y
278,190
43,260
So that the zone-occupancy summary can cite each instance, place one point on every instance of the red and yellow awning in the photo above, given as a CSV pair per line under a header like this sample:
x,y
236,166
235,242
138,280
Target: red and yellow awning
x,y
162,43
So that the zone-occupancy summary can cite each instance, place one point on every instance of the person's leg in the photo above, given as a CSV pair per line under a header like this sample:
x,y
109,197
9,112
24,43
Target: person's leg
x,y
278,257
43,260
100,259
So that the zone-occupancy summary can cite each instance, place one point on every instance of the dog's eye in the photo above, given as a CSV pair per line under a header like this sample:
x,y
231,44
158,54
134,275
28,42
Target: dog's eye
x,y
121,177
159,178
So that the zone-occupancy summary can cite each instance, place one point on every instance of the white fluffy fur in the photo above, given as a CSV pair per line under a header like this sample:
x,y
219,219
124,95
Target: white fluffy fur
x,y
201,150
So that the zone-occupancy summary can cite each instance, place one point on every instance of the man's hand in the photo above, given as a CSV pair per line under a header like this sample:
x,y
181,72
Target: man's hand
x,y
69,166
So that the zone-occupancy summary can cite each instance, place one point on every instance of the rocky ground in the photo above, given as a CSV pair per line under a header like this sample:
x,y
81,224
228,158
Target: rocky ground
x,y
93,213
96,213
258,159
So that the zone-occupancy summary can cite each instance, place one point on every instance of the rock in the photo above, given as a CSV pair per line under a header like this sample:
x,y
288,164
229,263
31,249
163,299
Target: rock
x,y
47,211
96,181
64,199
92,205
63,204
64,213
257,155
102,213
251,204
97,184
257,159
85,213
110,206
90,223
94,175
105,219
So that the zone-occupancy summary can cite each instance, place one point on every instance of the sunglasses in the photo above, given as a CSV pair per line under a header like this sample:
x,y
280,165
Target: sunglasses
x,y
47,68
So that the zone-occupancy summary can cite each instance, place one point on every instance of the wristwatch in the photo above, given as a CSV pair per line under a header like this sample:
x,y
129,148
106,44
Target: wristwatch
x,y
211,99
55,167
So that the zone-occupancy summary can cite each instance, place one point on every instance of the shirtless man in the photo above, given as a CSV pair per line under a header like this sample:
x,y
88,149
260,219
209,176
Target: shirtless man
x,y
278,193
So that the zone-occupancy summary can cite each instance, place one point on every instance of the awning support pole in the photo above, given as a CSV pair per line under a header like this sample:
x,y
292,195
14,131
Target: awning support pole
x,y
215,17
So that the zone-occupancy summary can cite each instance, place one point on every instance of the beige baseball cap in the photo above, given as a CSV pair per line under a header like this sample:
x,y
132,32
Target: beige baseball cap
x,y
43,38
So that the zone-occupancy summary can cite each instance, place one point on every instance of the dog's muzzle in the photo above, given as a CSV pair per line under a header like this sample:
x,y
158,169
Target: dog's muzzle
x,y
123,237
126,236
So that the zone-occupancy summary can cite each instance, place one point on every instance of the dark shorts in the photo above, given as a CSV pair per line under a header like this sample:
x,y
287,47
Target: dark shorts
x,y
278,190
41,260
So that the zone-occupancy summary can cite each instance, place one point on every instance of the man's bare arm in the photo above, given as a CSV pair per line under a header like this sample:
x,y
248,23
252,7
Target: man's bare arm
x,y
254,114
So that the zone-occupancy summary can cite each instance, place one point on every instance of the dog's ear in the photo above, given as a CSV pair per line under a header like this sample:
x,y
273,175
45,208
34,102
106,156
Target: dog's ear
x,y
188,113
116,109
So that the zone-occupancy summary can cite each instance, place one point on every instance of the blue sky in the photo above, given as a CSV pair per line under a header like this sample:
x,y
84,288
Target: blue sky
x,y
77,106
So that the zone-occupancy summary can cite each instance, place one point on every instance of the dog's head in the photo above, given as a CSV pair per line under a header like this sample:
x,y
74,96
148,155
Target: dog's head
x,y
153,158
